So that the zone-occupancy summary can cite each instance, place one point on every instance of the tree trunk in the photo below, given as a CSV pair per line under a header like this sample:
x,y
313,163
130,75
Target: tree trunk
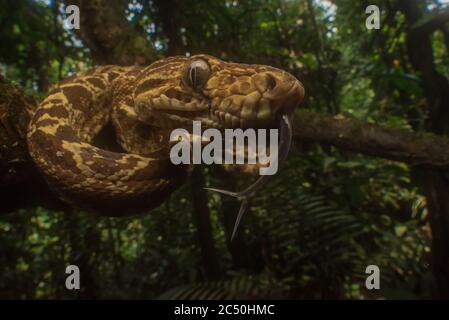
x,y
433,181
171,24
238,248
201,214
110,37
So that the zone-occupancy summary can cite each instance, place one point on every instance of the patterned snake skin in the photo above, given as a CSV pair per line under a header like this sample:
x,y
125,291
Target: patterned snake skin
x,y
144,104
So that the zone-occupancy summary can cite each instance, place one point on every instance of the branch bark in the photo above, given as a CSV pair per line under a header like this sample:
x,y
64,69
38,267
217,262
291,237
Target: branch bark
x,y
434,21
358,136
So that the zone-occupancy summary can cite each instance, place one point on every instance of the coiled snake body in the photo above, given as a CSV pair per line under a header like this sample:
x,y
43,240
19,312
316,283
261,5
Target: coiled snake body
x,y
144,104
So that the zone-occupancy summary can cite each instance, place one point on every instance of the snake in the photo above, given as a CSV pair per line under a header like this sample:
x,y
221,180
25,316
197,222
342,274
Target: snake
x,y
143,104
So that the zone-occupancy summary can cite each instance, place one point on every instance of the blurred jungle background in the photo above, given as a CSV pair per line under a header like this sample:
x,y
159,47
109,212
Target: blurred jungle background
x,y
365,182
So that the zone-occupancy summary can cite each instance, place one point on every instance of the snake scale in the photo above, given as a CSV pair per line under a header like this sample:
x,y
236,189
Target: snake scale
x,y
143,104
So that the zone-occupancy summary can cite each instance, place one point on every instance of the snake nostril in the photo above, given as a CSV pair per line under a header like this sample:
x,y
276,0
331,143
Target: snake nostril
x,y
271,82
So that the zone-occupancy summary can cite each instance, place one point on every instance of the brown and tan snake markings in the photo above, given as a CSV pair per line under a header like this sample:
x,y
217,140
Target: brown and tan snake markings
x,y
144,104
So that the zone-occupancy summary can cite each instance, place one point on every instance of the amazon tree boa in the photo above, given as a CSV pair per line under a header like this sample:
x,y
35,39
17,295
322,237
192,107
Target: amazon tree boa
x,y
144,104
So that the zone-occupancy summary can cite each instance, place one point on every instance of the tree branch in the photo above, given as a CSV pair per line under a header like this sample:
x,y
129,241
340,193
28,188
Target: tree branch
x,y
21,184
369,139
431,21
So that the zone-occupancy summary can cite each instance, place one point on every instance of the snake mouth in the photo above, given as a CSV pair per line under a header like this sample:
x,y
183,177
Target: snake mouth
x,y
256,109
171,113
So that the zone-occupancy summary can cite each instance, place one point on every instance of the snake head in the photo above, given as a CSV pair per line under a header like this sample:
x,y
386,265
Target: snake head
x,y
173,92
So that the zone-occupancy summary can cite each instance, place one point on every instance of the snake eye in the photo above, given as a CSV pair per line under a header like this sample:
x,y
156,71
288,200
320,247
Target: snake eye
x,y
196,74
